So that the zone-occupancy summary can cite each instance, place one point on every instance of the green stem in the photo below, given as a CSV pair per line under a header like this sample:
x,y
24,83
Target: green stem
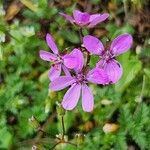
x,y
63,126
125,2
143,87
141,96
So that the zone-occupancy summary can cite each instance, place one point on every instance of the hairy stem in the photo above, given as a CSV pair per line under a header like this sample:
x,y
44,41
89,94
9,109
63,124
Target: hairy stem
x,y
65,142
125,2
141,96
88,58
143,86
45,125
55,145
81,34
71,144
88,54
63,126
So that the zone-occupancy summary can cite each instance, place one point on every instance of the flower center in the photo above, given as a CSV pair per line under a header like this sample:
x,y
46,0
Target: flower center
x,y
80,78
59,60
107,55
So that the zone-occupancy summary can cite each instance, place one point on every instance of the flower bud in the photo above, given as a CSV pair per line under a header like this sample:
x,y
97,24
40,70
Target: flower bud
x,y
47,105
52,94
49,101
79,138
60,109
110,127
34,122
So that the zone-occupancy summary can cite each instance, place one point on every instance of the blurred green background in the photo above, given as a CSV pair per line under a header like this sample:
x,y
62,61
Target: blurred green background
x,y
121,117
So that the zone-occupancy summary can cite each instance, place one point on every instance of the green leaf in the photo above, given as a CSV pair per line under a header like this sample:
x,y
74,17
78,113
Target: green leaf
x,y
44,76
131,67
70,36
6,138
120,143
141,117
125,119
125,29
139,136
147,72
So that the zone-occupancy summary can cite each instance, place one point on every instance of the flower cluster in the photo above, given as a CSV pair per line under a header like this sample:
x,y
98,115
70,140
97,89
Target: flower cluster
x,y
76,72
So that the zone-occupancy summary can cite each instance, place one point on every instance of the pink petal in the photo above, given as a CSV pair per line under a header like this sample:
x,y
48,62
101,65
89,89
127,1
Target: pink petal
x,y
61,83
81,18
67,17
113,69
121,44
71,97
87,99
54,72
70,61
98,76
47,56
97,18
51,43
66,71
79,59
93,44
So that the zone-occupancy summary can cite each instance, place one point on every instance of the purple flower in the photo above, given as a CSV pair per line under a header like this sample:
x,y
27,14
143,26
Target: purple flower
x,y
59,62
111,66
84,19
78,84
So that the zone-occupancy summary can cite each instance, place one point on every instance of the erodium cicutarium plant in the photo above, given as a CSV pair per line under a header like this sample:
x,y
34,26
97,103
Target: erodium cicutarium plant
x,y
71,70
77,73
